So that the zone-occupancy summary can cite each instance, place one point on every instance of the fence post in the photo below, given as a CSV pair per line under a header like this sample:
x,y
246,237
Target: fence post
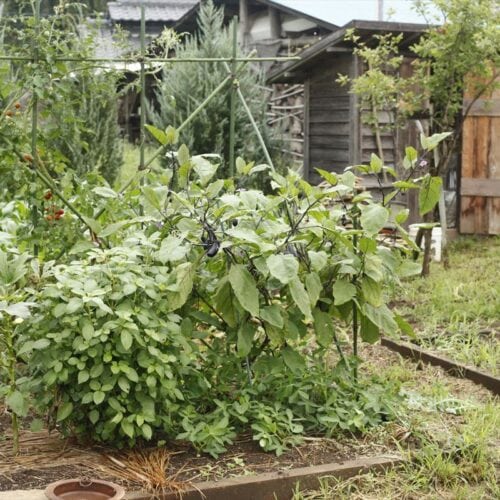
x,y
232,115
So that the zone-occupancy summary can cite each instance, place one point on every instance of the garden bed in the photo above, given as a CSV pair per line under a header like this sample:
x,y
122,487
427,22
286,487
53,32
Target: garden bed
x,y
45,458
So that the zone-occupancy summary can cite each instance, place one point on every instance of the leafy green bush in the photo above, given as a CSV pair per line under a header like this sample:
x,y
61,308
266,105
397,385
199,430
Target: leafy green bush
x,y
192,319
115,359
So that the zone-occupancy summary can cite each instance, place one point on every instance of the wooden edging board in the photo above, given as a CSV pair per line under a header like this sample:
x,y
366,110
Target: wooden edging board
x,y
274,485
452,367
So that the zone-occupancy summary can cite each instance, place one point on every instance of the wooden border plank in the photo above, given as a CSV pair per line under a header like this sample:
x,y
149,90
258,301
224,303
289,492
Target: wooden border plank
x,y
275,485
453,368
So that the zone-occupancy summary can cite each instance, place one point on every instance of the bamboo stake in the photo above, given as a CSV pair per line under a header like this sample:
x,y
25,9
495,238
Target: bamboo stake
x,y
255,126
232,105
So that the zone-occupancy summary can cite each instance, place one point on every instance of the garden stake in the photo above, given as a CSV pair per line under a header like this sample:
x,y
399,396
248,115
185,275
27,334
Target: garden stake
x,y
143,88
255,126
354,305
143,98
34,118
234,87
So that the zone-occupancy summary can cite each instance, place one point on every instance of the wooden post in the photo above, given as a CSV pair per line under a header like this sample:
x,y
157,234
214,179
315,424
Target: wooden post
x,y
275,23
244,24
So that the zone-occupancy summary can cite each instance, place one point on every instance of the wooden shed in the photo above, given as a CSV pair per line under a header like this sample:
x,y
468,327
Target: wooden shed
x,y
334,133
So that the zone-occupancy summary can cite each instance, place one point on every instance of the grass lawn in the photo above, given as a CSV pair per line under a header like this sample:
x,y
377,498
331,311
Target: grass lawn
x,y
456,311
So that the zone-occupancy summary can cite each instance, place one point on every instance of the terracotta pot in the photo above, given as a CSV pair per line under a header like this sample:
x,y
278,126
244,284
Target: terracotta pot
x,y
82,489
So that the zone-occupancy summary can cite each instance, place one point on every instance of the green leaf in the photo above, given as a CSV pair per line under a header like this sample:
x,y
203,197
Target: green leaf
x,y
241,166
105,192
300,297
113,228
318,259
404,326
313,287
124,384
272,315
369,331
17,403
93,224
19,309
203,168
343,291
410,158
324,328
375,163
430,191
184,274
226,303
83,376
147,432
41,344
172,135
158,134
283,267
430,143
127,428
126,339
99,397
402,216
183,156
329,177
381,317
293,360
244,288
87,329
372,291
408,268
94,416
246,334
373,218
172,249
64,411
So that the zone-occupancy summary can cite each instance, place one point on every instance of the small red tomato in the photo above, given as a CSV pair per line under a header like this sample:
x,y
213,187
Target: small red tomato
x,y
17,105
27,157
60,212
57,217
48,217
48,195
9,113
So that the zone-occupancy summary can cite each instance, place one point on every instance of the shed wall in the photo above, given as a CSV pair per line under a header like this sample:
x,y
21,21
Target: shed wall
x,y
329,115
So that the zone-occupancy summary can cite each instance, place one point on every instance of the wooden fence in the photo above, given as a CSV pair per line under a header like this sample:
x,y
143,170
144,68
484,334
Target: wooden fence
x,y
480,180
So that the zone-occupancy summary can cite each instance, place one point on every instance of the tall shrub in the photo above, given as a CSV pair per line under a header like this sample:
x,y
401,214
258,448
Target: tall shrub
x,y
184,86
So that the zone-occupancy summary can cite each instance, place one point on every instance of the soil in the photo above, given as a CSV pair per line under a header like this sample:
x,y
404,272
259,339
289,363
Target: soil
x,y
45,457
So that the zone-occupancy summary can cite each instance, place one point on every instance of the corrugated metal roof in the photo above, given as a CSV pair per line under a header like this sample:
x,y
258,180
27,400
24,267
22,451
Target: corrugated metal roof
x,y
340,12
155,10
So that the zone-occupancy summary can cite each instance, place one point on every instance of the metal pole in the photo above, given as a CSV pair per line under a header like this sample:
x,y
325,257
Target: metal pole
x,y
232,109
143,87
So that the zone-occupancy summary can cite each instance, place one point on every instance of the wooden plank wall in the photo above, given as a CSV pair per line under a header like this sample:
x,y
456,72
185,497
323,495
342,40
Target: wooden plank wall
x,y
480,179
328,118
